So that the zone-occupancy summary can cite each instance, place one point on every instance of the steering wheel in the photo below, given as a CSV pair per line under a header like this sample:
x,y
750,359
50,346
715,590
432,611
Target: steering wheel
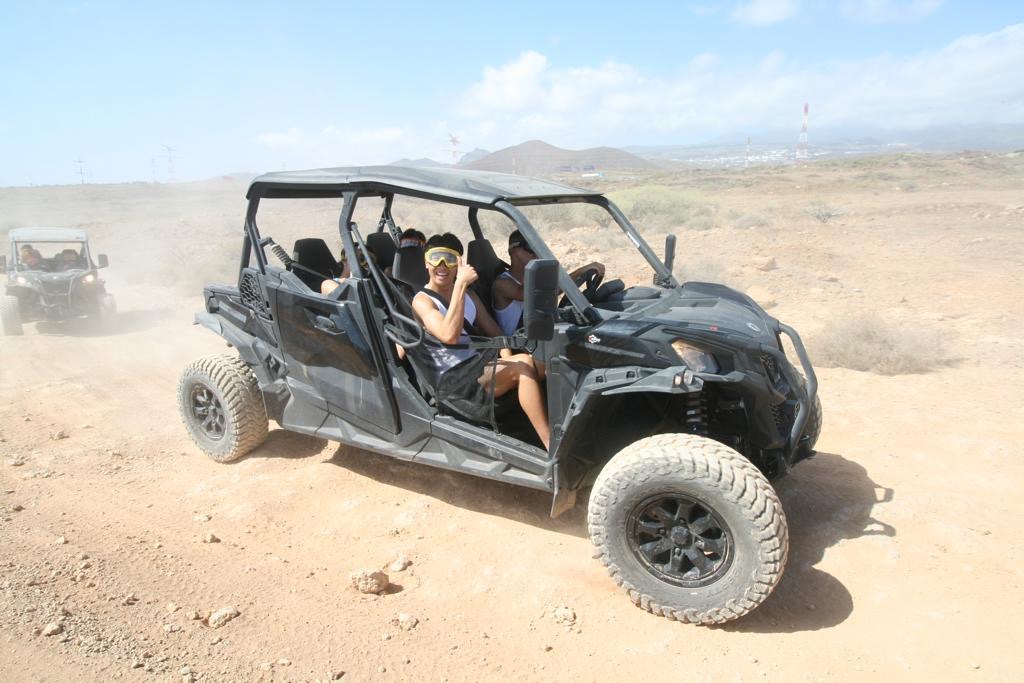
x,y
590,279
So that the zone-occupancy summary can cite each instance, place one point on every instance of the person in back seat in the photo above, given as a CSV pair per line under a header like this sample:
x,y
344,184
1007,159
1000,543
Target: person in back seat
x,y
508,287
451,312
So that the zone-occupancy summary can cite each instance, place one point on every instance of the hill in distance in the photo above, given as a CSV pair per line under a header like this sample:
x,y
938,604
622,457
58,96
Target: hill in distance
x,y
540,158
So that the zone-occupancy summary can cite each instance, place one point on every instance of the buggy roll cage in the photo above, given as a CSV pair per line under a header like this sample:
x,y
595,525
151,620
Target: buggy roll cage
x,y
508,207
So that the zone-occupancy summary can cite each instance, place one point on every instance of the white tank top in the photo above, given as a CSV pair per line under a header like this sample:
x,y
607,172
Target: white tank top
x,y
444,357
508,318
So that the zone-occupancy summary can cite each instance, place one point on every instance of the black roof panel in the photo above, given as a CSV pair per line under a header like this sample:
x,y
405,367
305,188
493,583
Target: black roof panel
x,y
483,187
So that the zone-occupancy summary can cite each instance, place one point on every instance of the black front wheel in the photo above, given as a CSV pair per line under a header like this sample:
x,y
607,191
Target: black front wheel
x,y
689,528
222,407
10,315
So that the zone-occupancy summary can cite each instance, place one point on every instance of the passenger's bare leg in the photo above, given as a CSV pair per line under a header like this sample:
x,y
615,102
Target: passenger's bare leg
x,y
520,371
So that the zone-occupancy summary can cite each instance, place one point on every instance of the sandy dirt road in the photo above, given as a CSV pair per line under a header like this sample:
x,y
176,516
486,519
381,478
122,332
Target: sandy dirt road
x,y
906,549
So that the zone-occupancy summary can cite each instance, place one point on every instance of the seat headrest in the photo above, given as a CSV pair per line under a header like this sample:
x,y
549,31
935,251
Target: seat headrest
x,y
313,253
382,246
409,267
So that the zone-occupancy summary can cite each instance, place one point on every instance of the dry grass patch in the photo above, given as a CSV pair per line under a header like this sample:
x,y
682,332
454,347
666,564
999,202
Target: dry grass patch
x,y
872,344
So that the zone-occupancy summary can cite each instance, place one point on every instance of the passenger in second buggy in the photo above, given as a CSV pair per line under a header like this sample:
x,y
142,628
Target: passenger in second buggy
x,y
452,313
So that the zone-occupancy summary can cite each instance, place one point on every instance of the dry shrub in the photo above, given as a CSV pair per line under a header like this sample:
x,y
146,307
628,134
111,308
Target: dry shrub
x,y
822,212
872,344
656,207
752,220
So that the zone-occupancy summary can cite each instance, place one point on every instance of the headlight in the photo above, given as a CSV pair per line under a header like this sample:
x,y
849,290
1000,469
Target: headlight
x,y
694,358
89,278
21,280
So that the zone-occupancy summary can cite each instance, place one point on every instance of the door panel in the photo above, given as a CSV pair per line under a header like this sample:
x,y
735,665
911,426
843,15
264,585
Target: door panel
x,y
327,347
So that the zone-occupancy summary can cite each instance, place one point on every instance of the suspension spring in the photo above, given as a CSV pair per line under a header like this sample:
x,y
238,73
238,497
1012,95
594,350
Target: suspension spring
x,y
696,415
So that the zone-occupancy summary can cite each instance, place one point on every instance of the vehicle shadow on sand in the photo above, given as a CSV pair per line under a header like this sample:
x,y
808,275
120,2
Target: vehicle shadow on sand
x,y
281,443
828,499
486,496
126,322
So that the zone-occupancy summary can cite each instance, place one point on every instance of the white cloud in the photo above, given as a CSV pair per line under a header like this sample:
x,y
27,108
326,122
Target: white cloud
x,y
881,11
761,12
974,79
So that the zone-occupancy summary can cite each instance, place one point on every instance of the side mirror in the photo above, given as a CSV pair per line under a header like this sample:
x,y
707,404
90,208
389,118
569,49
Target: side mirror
x,y
3,264
670,259
540,295
103,260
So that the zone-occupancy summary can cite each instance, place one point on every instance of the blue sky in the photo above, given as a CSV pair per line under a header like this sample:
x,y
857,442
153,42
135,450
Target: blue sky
x,y
260,86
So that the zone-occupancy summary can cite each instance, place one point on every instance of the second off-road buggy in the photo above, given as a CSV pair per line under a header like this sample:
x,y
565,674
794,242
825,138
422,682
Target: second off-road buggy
x,y
52,276
676,402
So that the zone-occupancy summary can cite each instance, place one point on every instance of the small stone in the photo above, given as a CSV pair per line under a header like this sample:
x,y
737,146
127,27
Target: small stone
x,y
61,541
129,599
16,462
765,263
811,607
975,666
85,564
400,564
548,648
194,615
58,435
370,582
382,669
136,664
84,556
53,628
222,616
564,615
284,662
185,670
202,518
17,508
385,636
336,675
171,628
172,607
210,538
216,640
405,621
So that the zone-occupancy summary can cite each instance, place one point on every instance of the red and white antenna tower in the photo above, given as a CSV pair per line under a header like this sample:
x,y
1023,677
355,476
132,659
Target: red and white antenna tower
x,y
801,145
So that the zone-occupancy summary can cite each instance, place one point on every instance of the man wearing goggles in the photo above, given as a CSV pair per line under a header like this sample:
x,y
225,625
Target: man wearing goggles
x,y
451,313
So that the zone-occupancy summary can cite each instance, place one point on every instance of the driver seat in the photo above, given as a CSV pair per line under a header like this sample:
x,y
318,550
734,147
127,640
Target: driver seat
x,y
313,253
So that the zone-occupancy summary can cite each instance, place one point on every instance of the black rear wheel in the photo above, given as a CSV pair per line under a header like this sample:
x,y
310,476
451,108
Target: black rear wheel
x,y
222,407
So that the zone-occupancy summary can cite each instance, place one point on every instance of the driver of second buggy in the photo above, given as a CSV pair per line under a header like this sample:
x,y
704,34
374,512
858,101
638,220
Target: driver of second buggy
x,y
451,312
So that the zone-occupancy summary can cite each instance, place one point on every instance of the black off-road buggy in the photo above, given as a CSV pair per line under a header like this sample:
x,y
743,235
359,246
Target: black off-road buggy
x,y
676,402
52,276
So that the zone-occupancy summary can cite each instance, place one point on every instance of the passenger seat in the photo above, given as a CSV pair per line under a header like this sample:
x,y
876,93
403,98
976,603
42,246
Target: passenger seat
x,y
313,253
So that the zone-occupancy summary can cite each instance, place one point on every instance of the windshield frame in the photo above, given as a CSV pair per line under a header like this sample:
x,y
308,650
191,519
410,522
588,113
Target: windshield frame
x,y
568,286
19,266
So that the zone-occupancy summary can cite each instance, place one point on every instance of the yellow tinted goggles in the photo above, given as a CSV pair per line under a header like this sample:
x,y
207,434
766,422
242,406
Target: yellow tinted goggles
x,y
439,255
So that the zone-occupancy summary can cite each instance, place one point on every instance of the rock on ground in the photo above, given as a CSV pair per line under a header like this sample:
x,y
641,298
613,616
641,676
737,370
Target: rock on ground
x,y
370,582
222,616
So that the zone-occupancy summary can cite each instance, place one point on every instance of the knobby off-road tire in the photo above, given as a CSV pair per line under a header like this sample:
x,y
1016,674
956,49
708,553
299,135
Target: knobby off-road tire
x,y
106,313
723,486
814,419
10,315
222,407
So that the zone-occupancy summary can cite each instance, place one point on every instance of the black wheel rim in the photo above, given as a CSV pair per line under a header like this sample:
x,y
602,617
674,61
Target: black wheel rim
x,y
680,540
207,412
